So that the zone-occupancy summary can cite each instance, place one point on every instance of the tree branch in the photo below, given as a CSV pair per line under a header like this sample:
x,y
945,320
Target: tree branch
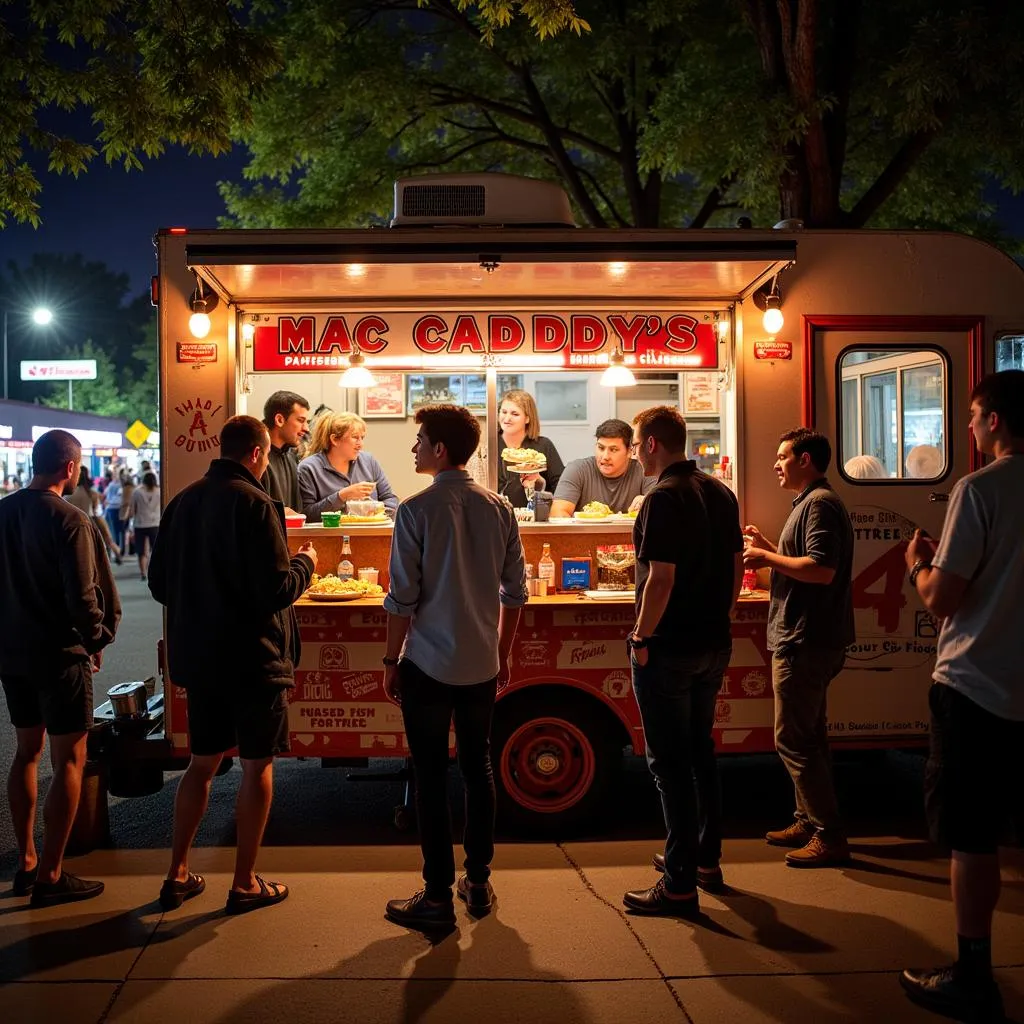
x,y
713,201
605,198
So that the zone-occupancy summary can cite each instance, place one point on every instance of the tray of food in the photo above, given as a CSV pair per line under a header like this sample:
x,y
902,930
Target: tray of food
x,y
593,510
347,518
524,460
331,588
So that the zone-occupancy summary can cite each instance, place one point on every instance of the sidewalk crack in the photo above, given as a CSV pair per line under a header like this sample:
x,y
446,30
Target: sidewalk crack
x,y
121,984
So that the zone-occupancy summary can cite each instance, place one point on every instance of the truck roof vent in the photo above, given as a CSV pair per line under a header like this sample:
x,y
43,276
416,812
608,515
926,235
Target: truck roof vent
x,y
491,200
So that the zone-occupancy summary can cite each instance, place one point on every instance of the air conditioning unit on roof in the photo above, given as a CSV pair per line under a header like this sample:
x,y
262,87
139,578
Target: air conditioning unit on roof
x,y
480,200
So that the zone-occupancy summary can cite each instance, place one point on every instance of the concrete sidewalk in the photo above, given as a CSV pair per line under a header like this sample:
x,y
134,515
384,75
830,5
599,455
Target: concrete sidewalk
x,y
783,945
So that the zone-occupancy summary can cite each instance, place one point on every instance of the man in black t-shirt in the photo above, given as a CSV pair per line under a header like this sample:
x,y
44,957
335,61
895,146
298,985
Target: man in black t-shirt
x,y
689,552
286,417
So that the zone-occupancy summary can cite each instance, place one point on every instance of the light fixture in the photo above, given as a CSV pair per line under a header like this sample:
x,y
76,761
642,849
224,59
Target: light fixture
x,y
618,374
248,331
42,316
770,301
201,302
357,375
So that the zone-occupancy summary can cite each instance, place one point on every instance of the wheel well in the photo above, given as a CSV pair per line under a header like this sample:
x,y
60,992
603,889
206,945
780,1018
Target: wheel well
x,y
537,694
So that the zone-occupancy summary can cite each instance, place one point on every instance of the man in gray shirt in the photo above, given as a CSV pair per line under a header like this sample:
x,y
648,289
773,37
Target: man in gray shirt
x,y
609,476
457,586
286,417
810,625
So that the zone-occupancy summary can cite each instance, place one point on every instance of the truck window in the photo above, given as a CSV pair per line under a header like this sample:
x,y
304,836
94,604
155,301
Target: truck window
x,y
892,412
1010,352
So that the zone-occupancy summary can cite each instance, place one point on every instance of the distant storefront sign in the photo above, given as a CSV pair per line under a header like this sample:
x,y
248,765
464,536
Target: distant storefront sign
x,y
6,432
58,369
87,438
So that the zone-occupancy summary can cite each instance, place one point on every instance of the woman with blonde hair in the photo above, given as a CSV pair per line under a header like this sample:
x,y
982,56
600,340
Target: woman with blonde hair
x,y
519,427
338,471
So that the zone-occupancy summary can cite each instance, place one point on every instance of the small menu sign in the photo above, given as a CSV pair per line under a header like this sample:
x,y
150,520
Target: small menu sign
x,y
773,349
197,351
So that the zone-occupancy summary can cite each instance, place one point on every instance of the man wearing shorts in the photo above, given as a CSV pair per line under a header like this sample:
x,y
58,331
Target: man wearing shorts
x,y
221,566
59,610
973,580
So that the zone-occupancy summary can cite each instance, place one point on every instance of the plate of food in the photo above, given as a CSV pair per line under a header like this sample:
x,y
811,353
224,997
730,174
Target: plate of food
x,y
348,518
593,510
331,588
524,460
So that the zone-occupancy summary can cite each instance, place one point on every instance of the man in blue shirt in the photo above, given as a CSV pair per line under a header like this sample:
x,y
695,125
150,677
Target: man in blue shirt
x,y
457,586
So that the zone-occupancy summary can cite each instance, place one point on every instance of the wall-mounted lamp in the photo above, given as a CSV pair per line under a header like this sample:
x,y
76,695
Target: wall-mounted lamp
x,y
202,302
618,374
770,301
248,331
357,375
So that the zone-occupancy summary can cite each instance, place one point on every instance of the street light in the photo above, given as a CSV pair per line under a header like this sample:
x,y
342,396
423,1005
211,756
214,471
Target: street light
x,y
41,316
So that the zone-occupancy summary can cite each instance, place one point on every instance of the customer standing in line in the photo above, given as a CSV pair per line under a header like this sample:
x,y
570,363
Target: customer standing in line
x,y
810,625
58,611
145,513
221,566
458,583
689,552
974,582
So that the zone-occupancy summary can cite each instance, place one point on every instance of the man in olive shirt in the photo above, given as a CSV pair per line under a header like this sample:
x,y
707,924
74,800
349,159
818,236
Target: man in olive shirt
x,y
810,625
286,416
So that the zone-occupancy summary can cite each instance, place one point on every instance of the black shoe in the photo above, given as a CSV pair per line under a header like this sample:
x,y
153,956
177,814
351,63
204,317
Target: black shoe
x,y
67,889
174,893
24,882
944,990
478,897
416,912
656,900
708,879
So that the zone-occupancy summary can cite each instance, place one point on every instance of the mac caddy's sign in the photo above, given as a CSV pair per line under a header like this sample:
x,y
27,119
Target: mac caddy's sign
x,y
410,340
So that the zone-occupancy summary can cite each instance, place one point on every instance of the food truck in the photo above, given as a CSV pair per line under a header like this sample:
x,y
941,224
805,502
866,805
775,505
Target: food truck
x,y
483,283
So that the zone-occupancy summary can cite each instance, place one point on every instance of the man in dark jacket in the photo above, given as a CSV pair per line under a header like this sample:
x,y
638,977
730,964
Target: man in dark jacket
x,y
221,567
59,609
286,417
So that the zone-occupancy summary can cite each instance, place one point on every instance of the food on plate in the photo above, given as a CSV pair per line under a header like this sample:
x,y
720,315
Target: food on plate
x,y
331,585
347,519
594,510
524,458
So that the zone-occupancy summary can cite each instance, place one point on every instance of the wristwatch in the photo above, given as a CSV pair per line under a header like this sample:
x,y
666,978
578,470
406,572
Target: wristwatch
x,y
915,570
636,643
390,661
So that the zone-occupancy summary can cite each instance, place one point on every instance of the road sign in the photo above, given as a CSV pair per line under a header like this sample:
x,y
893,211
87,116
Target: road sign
x,y
58,369
138,433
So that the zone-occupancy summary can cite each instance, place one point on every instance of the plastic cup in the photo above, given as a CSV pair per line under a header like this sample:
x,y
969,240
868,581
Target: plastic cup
x,y
330,519
369,575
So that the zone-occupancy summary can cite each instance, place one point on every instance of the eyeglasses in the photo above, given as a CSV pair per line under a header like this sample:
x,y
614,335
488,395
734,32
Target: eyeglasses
x,y
634,446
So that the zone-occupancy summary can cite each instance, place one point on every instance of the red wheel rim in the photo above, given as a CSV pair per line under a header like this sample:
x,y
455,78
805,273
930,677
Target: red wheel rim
x,y
547,765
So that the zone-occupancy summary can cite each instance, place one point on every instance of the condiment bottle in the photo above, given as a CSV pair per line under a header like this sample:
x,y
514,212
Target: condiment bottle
x,y
345,568
546,567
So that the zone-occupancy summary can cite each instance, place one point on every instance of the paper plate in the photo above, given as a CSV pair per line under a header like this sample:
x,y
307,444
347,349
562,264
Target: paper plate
x,y
337,597
525,472
592,515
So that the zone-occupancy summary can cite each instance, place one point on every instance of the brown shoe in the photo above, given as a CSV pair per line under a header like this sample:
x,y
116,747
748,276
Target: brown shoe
x,y
819,853
796,835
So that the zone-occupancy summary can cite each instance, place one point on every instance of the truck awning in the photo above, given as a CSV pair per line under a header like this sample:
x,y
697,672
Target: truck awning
x,y
698,265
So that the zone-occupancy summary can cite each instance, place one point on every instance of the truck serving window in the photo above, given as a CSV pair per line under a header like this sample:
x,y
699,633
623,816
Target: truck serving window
x,y
893,413
1010,352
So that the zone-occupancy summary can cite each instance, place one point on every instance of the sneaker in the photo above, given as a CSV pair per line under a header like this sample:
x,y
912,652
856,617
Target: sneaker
x,y
709,879
417,912
796,835
943,990
24,882
67,889
478,896
656,900
819,853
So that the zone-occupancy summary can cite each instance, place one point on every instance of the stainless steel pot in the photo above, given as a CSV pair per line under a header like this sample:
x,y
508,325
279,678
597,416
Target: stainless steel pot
x,y
128,700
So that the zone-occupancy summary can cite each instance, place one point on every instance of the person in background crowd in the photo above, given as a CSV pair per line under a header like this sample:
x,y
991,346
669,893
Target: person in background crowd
x,y
338,470
810,625
127,491
112,499
924,462
689,551
519,424
458,583
973,581
865,467
85,498
286,416
609,475
221,567
145,513
59,609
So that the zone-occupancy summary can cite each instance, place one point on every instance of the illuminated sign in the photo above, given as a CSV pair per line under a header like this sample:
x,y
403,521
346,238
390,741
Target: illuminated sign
x,y
58,369
6,432
86,438
656,340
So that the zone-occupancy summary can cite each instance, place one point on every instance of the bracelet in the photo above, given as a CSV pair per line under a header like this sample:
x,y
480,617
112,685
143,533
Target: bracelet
x,y
915,571
390,661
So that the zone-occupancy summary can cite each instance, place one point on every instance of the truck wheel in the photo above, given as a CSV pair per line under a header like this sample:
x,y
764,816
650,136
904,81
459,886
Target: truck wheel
x,y
554,760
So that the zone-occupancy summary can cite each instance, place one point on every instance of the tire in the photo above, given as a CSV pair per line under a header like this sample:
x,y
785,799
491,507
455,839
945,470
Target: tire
x,y
556,757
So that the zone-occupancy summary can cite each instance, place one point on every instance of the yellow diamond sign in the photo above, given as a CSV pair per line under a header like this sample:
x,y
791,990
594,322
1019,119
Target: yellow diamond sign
x,y
138,433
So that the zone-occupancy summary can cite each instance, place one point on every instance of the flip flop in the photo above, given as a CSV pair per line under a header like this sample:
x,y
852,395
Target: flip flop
x,y
173,893
243,902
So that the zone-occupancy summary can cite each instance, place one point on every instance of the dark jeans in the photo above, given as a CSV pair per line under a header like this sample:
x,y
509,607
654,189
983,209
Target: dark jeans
x,y
116,524
428,707
676,693
800,678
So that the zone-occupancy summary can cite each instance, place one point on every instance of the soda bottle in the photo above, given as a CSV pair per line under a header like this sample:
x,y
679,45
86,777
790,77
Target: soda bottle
x,y
346,570
546,567
749,581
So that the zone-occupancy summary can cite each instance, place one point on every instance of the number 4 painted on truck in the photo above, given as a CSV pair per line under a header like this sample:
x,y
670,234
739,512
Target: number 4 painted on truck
x,y
892,568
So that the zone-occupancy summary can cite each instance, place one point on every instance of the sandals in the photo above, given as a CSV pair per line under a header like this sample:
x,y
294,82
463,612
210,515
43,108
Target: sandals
x,y
173,894
243,902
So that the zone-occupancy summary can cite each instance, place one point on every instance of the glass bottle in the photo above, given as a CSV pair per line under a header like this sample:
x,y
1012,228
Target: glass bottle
x,y
346,571
546,567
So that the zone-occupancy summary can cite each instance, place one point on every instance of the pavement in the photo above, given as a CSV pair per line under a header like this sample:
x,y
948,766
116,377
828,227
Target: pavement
x,y
781,946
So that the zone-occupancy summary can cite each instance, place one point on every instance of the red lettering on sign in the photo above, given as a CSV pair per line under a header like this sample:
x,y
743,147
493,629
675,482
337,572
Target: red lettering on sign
x,y
630,331
335,336
198,423
682,336
466,334
890,567
588,333
506,333
368,334
296,336
426,334
550,333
